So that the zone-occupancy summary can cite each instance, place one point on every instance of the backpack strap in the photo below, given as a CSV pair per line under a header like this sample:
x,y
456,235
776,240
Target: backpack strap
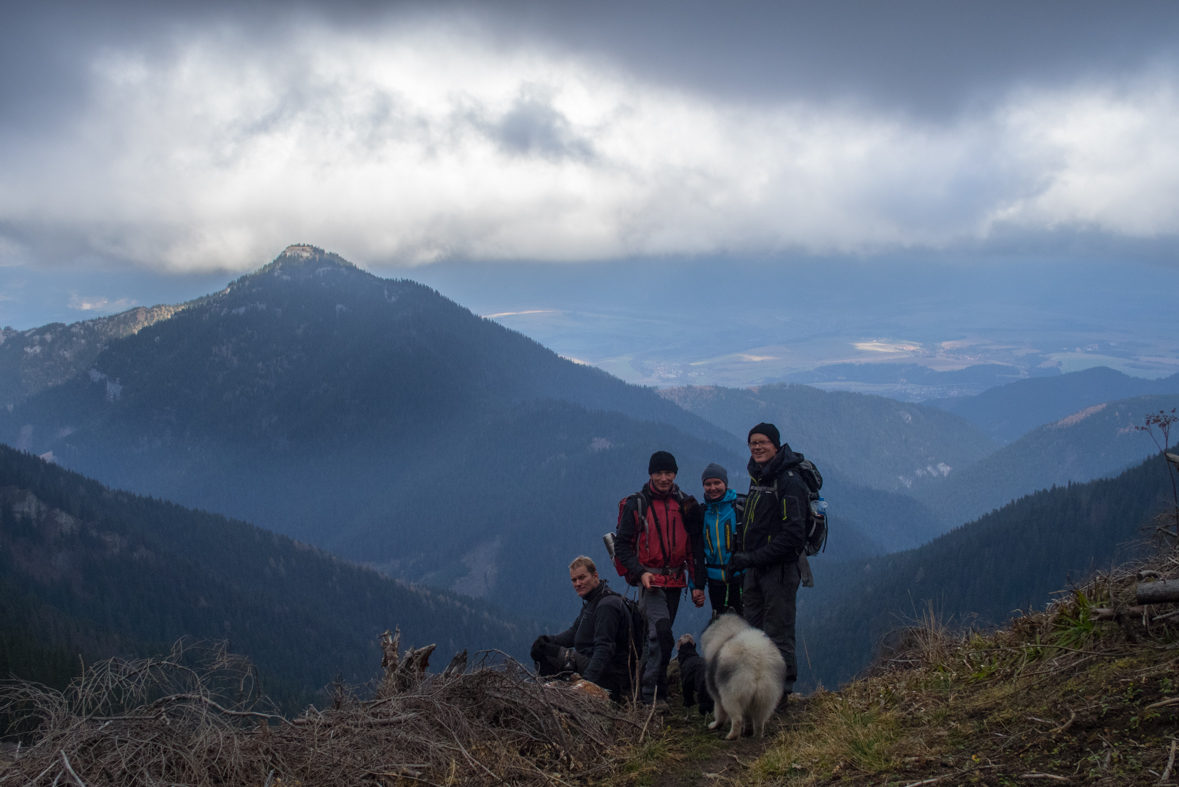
x,y
641,510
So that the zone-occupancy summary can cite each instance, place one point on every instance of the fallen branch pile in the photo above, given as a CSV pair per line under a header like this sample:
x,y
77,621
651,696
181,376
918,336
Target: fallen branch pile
x,y
170,721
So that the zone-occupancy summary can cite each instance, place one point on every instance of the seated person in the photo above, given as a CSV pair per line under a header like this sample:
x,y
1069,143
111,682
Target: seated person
x,y
692,679
598,644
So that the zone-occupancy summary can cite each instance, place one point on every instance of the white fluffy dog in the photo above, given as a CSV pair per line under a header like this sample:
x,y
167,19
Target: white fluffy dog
x,y
744,674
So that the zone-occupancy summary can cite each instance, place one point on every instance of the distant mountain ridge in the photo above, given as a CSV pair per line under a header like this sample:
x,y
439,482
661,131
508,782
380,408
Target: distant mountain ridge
x,y
879,442
1009,411
36,359
1098,441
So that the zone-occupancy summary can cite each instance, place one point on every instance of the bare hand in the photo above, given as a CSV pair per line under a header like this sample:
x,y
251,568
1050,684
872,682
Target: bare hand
x,y
698,597
646,580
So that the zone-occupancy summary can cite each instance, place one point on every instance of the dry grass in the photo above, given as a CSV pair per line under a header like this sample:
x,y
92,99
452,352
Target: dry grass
x,y
1085,691
195,718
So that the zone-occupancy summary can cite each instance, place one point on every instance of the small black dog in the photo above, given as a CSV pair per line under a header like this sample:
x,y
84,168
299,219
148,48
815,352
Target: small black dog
x,y
692,676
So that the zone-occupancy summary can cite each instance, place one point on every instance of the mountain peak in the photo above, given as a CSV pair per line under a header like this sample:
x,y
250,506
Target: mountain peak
x,y
301,260
301,250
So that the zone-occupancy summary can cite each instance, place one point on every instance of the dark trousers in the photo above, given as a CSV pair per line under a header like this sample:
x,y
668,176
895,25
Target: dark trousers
x,y
724,596
659,606
770,598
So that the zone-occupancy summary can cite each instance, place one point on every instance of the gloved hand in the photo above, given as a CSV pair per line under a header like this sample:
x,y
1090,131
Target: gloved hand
x,y
738,561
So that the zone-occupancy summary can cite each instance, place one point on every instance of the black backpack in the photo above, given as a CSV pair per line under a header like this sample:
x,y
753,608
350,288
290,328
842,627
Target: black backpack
x,y
636,638
816,520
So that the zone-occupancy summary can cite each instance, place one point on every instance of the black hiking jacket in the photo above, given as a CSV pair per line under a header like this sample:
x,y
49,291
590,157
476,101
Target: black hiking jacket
x,y
601,633
773,529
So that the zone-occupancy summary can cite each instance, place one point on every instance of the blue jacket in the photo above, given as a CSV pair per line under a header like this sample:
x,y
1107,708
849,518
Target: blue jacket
x,y
720,532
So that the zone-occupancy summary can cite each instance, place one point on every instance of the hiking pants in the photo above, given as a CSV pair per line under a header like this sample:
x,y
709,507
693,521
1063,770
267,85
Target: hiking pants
x,y
660,606
770,604
725,596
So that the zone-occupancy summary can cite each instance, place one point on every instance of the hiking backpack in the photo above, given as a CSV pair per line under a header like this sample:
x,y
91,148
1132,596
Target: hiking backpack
x,y
610,538
816,520
816,515
636,635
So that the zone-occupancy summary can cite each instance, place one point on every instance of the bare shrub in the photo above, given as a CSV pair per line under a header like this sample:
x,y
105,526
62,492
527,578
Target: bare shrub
x,y
196,718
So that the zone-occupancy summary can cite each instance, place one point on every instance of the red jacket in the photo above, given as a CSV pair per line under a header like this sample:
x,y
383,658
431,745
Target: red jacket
x,y
662,535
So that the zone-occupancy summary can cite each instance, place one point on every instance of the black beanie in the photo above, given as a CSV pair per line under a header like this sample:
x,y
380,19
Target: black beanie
x,y
770,431
662,460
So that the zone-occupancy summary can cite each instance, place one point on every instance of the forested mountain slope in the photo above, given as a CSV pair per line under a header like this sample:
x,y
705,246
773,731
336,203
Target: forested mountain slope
x,y
1010,559
878,442
89,570
1099,441
1009,411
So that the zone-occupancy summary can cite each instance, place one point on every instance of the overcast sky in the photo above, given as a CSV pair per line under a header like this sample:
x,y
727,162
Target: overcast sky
x,y
187,139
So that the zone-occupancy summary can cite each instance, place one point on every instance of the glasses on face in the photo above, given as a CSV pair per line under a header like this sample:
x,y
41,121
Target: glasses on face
x,y
760,443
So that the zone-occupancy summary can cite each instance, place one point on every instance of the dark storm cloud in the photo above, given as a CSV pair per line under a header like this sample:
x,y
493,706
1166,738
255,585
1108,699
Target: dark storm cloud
x,y
922,56
927,56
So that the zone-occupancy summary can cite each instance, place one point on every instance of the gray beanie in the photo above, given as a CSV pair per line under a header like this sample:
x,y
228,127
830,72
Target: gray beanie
x,y
715,471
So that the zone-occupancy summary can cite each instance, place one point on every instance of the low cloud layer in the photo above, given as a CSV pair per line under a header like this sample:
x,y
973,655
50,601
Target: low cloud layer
x,y
413,144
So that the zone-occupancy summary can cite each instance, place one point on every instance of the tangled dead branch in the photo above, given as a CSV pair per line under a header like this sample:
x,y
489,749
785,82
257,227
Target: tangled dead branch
x,y
196,718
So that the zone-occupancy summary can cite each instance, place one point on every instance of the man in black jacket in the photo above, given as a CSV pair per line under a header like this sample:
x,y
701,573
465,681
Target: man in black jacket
x,y
598,643
771,538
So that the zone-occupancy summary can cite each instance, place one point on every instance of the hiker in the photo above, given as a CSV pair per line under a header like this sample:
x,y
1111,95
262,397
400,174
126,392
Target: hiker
x,y
722,512
659,545
598,644
771,539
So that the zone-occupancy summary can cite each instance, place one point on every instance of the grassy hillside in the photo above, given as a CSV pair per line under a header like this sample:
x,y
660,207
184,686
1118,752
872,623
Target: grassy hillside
x,y
1082,693
1013,558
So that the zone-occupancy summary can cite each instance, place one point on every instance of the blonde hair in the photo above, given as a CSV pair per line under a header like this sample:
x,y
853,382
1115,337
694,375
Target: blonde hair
x,y
582,560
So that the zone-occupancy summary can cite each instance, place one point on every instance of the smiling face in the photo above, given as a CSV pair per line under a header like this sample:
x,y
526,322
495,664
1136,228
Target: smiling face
x,y
584,581
661,481
761,449
714,489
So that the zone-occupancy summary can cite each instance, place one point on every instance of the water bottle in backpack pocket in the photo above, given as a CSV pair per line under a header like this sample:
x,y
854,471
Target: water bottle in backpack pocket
x,y
816,526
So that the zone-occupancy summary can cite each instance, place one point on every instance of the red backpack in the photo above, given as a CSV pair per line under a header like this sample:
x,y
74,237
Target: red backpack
x,y
609,538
